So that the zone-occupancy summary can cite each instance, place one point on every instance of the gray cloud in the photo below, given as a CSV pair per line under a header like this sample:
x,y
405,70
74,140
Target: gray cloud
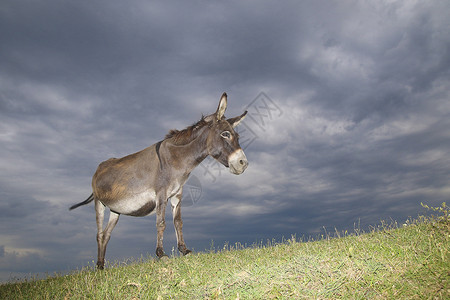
x,y
362,90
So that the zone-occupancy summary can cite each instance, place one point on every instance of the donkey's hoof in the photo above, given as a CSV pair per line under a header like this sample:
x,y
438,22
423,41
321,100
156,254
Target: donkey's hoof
x,y
182,248
100,265
160,252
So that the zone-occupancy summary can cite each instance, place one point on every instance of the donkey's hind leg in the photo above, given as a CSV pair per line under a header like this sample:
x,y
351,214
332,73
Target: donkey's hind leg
x,y
103,236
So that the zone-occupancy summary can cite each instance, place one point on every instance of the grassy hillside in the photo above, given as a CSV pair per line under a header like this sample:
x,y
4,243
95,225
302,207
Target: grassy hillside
x,y
403,262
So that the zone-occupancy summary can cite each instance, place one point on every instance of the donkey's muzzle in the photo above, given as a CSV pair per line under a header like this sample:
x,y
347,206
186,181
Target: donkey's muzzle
x,y
237,162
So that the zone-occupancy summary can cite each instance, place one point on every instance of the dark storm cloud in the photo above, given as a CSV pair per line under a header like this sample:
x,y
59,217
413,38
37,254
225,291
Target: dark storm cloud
x,y
360,133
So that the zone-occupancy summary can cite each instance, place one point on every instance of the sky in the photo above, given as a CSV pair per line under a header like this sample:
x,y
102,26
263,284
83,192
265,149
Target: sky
x,y
348,124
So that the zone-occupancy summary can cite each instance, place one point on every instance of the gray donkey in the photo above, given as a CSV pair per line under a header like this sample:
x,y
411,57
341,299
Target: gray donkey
x,y
142,183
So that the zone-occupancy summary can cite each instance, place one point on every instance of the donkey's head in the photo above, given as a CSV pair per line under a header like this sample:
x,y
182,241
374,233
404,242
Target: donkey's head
x,y
223,141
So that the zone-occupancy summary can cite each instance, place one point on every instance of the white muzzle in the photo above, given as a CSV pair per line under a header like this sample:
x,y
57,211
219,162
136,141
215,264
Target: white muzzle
x,y
237,162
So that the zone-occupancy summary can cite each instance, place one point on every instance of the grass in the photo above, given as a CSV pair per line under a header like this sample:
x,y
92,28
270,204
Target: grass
x,y
390,262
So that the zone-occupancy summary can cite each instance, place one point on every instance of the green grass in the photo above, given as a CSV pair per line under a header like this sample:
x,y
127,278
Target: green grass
x,y
390,262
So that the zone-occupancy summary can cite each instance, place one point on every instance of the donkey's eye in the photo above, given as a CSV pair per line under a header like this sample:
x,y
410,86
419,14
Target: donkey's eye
x,y
225,134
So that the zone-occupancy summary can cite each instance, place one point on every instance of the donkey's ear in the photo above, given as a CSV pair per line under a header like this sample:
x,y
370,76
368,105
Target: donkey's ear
x,y
222,106
235,121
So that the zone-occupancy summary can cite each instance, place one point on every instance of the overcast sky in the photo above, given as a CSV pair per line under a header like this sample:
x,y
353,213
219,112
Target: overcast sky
x,y
349,117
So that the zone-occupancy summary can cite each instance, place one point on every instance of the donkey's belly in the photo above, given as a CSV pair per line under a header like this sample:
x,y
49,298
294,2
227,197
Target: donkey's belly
x,y
137,205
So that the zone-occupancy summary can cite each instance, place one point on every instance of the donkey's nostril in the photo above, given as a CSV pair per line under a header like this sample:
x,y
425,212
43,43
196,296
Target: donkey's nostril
x,y
241,162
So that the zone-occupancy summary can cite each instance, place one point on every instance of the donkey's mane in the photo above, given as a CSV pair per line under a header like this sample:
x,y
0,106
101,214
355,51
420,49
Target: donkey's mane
x,y
182,137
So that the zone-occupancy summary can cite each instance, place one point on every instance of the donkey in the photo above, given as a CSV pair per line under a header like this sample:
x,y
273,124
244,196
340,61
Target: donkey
x,y
142,183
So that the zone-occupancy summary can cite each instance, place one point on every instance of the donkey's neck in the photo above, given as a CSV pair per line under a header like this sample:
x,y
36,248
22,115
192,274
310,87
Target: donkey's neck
x,y
189,155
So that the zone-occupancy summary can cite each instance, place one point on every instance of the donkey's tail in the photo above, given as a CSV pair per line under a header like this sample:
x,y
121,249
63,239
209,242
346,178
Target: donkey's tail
x,y
88,200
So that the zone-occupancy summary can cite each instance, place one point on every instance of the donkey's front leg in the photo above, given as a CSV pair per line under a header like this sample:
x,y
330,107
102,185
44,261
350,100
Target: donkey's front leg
x,y
161,203
178,223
